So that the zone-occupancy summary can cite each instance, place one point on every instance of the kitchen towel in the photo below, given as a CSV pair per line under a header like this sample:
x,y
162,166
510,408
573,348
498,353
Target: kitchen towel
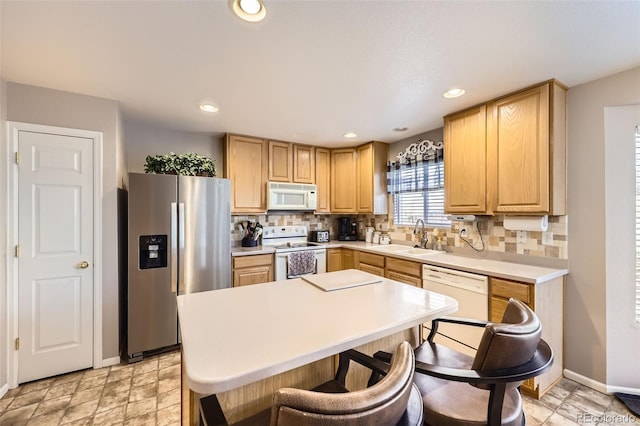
x,y
301,263
526,223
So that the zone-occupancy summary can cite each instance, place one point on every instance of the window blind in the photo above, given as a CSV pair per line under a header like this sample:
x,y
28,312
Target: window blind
x,y
421,195
637,137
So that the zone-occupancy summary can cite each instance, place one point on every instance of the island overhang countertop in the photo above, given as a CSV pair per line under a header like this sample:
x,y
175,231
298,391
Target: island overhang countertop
x,y
236,336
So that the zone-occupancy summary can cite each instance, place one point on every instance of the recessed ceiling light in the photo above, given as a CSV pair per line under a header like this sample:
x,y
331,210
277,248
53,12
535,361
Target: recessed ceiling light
x,y
209,108
249,10
350,135
400,129
453,93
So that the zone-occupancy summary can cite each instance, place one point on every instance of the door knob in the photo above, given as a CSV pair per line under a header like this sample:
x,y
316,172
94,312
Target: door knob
x,y
84,264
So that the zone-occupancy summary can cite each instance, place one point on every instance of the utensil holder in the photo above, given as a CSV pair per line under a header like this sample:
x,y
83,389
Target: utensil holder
x,y
249,242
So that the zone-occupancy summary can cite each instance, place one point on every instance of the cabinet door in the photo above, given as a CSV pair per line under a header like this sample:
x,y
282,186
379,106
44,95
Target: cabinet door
x,y
347,259
304,164
280,161
248,190
323,180
403,278
465,162
371,178
375,270
519,145
364,179
334,260
343,180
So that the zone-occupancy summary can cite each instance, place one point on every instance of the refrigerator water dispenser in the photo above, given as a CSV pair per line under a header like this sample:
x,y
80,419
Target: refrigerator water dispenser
x,y
153,251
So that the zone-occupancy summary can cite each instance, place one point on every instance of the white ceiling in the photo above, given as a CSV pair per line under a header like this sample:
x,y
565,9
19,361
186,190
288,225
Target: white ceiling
x,y
312,70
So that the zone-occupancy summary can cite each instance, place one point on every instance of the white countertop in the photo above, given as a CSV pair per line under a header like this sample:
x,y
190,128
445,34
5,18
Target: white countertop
x,y
495,268
235,336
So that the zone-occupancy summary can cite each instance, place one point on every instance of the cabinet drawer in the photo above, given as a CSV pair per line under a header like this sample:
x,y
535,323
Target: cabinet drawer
x,y
251,261
249,276
407,279
375,270
371,259
405,266
507,289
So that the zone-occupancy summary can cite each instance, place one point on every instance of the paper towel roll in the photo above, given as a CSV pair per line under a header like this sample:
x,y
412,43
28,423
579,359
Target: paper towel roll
x,y
526,223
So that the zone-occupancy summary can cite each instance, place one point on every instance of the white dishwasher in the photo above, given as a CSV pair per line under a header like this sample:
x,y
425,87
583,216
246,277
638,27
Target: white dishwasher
x,y
472,293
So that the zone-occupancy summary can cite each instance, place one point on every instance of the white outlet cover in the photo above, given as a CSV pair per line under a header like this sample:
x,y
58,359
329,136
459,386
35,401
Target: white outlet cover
x,y
521,237
547,238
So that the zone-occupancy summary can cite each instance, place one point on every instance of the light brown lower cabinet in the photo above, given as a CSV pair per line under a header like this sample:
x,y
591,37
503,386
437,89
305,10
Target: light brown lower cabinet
x,y
405,271
368,262
348,261
547,301
253,269
334,259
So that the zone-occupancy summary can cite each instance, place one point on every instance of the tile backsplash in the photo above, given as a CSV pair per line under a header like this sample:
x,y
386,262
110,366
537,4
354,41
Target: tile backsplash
x,y
491,232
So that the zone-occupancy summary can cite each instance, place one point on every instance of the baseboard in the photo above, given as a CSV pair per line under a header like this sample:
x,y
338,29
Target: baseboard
x,y
622,389
4,389
111,361
595,385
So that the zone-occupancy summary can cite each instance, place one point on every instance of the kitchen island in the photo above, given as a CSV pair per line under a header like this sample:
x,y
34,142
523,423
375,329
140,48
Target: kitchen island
x,y
243,343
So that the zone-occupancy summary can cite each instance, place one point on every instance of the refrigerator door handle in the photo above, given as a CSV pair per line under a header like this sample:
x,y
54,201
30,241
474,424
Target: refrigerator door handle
x,y
181,232
174,247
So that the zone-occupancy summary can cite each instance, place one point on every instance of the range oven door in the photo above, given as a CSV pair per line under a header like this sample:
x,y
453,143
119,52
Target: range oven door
x,y
282,259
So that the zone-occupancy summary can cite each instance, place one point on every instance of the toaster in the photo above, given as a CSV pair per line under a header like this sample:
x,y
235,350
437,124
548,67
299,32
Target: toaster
x,y
319,236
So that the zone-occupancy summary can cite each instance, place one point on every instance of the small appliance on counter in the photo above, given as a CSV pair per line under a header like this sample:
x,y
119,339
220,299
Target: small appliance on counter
x,y
369,234
347,229
319,236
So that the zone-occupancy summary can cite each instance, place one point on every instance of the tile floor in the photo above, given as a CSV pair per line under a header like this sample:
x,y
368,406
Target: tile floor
x,y
148,393
144,393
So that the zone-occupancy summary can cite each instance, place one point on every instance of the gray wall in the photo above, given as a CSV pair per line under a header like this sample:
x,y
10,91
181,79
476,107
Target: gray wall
x,y
586,342
144,139
38,105
399,146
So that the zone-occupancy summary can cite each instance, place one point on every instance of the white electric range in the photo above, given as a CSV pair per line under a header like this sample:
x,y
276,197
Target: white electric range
x,y
289,239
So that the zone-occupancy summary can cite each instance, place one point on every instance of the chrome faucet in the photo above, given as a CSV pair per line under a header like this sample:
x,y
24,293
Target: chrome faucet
x,y
423,235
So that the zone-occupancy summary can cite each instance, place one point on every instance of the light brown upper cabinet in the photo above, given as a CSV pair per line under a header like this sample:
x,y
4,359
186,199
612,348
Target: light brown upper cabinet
x,y
526,136
304,164
513,161
323,180
290,162
343,180
465,159
371,178
280,161
248,189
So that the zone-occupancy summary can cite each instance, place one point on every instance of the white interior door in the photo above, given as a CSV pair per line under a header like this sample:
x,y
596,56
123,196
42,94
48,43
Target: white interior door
x,y
55,265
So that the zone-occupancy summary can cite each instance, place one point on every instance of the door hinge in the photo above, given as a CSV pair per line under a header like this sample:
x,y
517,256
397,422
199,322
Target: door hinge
x,y
17,343
17,250
17,157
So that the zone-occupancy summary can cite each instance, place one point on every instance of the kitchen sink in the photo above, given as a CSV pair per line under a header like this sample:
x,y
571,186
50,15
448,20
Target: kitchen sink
x,y
420,251
390,248
406,250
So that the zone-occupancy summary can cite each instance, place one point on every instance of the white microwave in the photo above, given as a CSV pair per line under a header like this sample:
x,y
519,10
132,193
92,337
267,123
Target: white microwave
x,y
291,196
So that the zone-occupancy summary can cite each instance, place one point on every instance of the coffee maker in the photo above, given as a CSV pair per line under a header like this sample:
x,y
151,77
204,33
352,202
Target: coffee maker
x,y
347,229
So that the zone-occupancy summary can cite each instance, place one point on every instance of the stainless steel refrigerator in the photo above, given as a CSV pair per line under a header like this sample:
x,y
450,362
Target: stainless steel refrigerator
x,y
179,242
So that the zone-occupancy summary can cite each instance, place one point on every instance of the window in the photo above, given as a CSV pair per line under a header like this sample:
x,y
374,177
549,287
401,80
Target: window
x,y
417,185
637,224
